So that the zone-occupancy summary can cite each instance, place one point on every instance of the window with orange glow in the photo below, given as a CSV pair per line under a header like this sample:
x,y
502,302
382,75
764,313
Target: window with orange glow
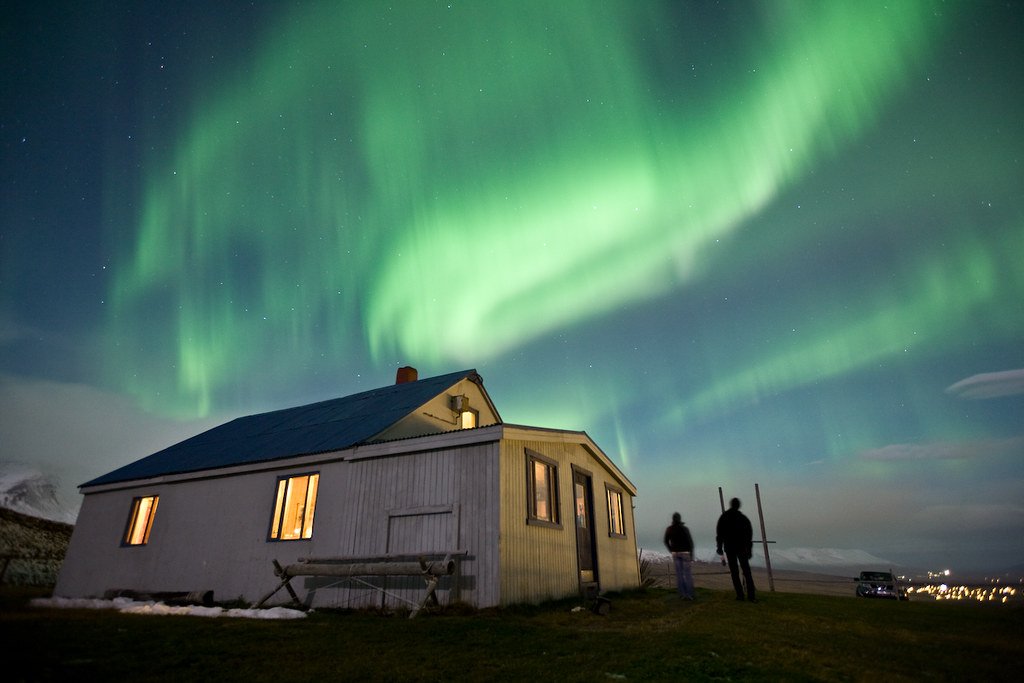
x,y
140,521
468,419
293,508
542,485
616,523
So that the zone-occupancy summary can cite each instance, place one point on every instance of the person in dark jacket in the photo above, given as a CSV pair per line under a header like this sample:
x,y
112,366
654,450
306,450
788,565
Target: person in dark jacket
x,y
680,543
735,535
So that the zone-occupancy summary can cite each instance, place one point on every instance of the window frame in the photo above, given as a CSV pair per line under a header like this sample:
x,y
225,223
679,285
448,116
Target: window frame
x,y
137,514
609,491
554,497
462,418
281,500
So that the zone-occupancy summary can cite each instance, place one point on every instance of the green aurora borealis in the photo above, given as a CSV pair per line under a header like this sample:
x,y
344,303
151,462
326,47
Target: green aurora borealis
x,y
733,242
457,200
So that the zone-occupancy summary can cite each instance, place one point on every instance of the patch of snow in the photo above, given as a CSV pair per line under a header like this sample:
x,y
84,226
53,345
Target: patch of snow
x,y
129,606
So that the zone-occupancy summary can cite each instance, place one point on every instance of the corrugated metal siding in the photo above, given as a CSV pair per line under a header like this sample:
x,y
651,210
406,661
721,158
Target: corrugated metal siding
x,y
206,535
212,534
617,556
540,562
537,562
395,504
478,482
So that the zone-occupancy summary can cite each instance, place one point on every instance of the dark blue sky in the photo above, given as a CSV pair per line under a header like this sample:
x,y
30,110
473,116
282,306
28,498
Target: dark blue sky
x,y
734,243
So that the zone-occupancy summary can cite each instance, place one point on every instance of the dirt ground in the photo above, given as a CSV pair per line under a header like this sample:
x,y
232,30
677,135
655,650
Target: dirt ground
x,y
716,577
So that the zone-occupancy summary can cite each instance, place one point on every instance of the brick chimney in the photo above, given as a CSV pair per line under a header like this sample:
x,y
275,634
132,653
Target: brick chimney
x,y
406,374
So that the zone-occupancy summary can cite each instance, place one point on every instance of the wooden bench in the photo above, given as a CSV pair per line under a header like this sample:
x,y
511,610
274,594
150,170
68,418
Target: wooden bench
x,y
425,564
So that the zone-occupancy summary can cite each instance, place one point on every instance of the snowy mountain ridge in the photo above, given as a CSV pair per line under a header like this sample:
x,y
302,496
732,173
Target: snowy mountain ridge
x,y
30,492
829,560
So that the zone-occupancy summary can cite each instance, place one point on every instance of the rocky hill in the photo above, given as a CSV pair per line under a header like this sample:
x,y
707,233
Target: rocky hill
x,y
31,549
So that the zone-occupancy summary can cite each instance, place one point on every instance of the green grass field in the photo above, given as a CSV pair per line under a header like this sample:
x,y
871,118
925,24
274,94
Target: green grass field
x,y
647,636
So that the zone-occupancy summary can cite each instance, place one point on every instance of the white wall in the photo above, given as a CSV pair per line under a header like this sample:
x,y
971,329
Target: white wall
x,y
212,534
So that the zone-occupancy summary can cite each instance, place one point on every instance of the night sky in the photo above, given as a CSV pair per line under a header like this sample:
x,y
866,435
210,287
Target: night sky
x,y
736,242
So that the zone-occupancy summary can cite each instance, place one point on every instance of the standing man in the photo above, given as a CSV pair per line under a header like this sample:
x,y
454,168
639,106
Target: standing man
x,y
680,545
735,534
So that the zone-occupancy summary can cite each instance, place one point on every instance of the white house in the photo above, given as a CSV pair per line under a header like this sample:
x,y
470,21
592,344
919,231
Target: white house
x,y
419,468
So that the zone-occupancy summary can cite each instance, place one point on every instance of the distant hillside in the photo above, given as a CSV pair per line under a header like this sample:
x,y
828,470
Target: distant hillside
x,y
27,490
31,549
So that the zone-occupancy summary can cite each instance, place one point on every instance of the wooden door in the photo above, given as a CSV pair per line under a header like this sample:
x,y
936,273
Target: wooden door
x,y
586,547
414,531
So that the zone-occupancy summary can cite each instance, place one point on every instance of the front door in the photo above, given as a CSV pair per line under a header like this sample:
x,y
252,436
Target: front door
x,y
586,549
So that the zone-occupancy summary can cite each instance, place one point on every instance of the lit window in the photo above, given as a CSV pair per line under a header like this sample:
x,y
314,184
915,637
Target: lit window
x,y
293,508
542,482
616,524
581,506
140,522
467,417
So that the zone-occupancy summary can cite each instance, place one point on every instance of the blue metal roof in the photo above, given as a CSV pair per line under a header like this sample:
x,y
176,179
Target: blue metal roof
x,y
330,425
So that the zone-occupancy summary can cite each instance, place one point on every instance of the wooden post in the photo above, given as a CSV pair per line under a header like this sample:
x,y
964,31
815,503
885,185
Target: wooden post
x,y
721,503
764,540
285,583
443,568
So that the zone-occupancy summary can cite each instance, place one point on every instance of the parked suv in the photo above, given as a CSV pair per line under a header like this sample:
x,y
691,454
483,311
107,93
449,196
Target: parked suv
x,y
880,585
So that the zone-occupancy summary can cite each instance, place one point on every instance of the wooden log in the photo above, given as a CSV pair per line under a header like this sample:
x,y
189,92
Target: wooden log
x,y
279,571
386,557
372,569
430,597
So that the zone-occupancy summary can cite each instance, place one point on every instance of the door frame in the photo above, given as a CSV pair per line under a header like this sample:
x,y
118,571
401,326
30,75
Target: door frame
x,y
589,579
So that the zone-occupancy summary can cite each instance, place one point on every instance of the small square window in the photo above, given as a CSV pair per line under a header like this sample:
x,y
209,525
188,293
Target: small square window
x,y
468,419
616,521
542,489
140,521
293,508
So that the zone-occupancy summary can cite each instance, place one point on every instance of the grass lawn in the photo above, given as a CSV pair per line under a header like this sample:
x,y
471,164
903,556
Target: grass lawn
x,y
647,636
